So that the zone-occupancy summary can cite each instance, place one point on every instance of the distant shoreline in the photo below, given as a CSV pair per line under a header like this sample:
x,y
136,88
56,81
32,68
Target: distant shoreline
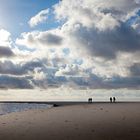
x,y
63,103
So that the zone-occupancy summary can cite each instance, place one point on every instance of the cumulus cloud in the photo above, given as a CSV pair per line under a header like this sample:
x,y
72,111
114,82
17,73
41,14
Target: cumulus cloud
x,y
135,69
36,73
123,82
7,81
92,11
103,30
29,74
5,38
39,18
40,39
22,68
5,44
51,39
7,67
136,24
71,70
6,52
108,43
99,34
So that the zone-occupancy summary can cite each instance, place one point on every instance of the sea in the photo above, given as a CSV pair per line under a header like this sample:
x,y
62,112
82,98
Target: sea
x,y
6,108
59,94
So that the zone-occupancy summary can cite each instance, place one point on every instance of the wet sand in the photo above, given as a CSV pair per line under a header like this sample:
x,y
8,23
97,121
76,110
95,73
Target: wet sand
x,y
99,121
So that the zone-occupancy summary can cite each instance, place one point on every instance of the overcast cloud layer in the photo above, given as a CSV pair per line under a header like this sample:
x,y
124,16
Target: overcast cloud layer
x,y
96,46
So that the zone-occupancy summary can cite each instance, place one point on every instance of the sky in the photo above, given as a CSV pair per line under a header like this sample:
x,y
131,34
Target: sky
x,y
80,44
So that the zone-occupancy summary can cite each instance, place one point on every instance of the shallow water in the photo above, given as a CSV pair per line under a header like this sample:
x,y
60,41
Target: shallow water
x,y
17,107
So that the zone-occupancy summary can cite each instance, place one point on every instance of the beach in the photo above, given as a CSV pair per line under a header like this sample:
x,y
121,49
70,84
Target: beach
x,y
96,121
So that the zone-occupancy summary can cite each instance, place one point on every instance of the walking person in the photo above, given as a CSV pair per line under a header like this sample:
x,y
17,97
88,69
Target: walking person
x,y
110,99
114,99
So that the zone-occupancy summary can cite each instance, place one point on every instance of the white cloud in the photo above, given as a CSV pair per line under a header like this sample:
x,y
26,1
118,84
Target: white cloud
x,y
39,18
5,44
96,32
136,24
93,11
39,40
71,70
5,37
107,22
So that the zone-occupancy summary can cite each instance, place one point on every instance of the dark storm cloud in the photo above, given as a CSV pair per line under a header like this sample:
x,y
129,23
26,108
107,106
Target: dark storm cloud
x,y
108,43
8,67
11,78
51,81
96,82
7,81
30,66
11,75
6,52
135,69
114,12
50,39
123,82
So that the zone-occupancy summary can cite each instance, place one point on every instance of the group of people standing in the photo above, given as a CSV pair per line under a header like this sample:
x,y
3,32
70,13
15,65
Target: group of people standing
x,y
112,99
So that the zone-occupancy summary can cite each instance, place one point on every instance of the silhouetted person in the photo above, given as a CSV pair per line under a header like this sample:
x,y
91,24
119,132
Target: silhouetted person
x,y
114,99
90,100
110,99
